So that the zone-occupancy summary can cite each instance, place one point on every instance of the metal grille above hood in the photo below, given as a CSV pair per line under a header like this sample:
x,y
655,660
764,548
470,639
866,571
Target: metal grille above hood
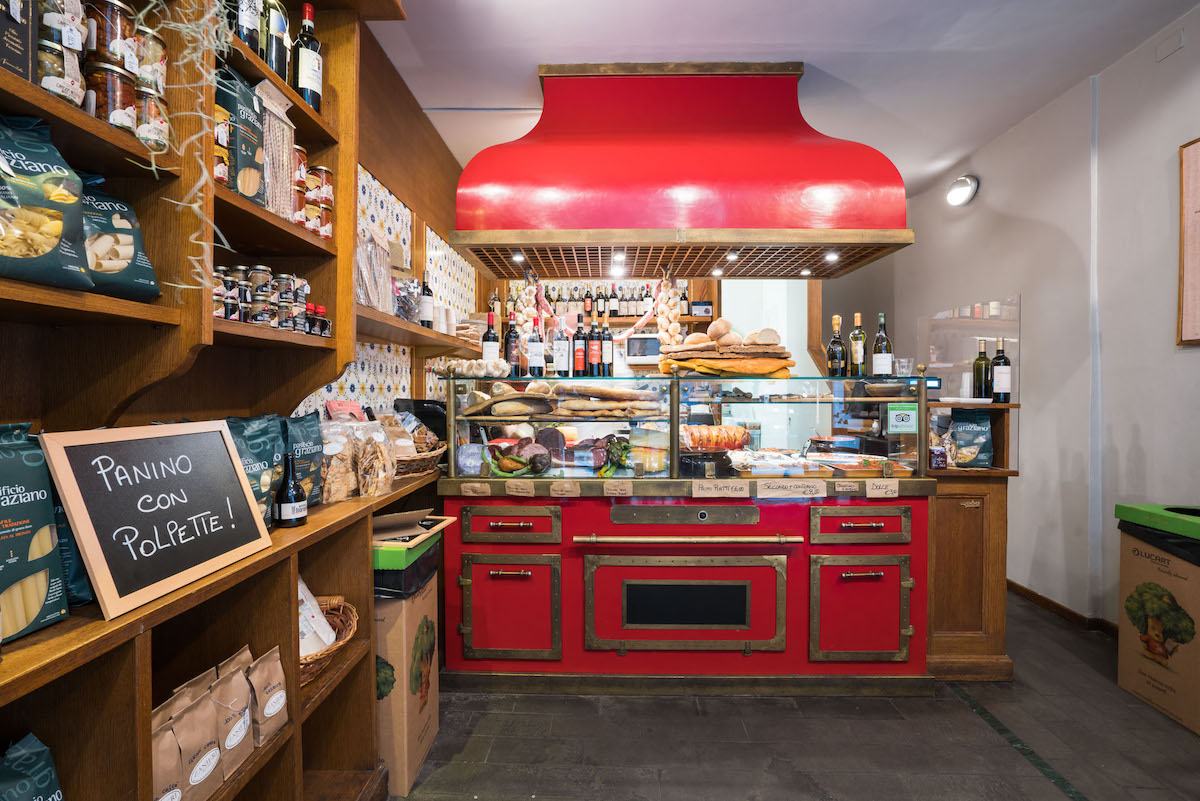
x,y
677,165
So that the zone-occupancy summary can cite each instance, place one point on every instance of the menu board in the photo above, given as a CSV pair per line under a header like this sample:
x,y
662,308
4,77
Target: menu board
x,y
154,508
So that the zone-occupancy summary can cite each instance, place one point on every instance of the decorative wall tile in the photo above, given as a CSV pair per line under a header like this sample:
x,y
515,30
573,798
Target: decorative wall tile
x,y
382,215
378,375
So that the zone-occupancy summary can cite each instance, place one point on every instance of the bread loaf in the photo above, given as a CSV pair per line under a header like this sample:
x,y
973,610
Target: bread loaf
x,y
730,339
697,338
719,328
763,336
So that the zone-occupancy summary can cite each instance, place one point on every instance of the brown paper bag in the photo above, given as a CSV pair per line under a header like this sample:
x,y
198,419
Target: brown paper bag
x,y
166,710
230,697
239,662
196,730
269,710
166,765
198,685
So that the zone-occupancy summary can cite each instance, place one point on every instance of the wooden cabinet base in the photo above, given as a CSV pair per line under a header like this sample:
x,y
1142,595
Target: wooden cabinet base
x,y
346,785
970,668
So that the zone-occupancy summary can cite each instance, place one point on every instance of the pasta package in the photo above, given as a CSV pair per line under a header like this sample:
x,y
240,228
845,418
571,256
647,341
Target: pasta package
x,y
116,254
247,158
27,772
32,594
41,227
75,577
259,442
303,438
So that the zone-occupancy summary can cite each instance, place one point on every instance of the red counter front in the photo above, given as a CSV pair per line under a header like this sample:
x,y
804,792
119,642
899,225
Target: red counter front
x,y
839,588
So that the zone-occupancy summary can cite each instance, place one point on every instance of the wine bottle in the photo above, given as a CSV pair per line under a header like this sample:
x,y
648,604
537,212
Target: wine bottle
x,y
426,307
536,349
981,373
683,303
291,502
307,68
491,340
588,301
881,352
494,302
560,303
606,350
858,345
647,301
835,354
594,350
512,346
273,37
562,350
248,15
601,301
1001,375
579,349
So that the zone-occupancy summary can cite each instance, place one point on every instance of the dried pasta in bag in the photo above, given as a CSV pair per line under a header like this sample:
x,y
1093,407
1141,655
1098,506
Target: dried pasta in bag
x,y
341,480
116,254
41,228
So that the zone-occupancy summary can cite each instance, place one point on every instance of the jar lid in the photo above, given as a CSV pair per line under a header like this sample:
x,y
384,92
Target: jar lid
x,y
100,3
93,66
149,32
260,268
143,89
285,277
319,168
261,297
243,281
326,206
301,149
50,45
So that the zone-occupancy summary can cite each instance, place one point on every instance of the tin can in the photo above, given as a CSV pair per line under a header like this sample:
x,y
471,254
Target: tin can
x,y
299,168
259,277
326,229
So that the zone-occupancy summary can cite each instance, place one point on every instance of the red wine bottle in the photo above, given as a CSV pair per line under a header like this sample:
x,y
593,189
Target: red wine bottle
x,y
307,67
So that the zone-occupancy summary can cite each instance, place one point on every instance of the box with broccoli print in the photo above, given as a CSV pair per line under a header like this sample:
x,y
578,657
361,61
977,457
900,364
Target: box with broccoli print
x,y
406,683
1159,655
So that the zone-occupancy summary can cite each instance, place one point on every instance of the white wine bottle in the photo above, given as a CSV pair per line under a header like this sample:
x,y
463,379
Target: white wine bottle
x,y
882,357
858,346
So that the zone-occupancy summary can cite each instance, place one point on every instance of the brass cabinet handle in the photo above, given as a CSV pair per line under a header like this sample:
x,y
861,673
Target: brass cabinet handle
x,y
510,573
872,524
499,524
868,574
775,539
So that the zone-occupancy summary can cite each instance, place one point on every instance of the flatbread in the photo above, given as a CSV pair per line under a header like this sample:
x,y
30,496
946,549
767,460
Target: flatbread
x,y
709,346
483,406
607,393
579,404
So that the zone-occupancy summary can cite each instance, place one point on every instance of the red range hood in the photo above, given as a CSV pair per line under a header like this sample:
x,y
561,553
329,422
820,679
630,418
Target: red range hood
x,y
677,165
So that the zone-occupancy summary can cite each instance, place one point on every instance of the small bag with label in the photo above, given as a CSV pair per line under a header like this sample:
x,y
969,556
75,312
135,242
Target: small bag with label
x,y
269,711
238,663
315,632
373,459
195,728
230,696
166,764
27,772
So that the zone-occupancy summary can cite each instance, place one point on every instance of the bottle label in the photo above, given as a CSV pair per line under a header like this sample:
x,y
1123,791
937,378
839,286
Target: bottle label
x,y
856,352
881,364
593,351
537,354
562,349
291,511
683,308
308,70
1002,378
579,351
491,351
836,366
426,309
587,304
278,24
606,352
249,12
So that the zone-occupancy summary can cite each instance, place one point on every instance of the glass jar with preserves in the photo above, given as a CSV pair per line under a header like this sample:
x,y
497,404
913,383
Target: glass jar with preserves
x,y
300,291
312,215
221,165
299,317
111,34
62,22
326,229
284,287
311,324
152,59
244,293
286,322
299,201
323,185
109,94
259,312
326,323
233,308
237,272
312,185
153,127
299,168
273,312
58,71
259,277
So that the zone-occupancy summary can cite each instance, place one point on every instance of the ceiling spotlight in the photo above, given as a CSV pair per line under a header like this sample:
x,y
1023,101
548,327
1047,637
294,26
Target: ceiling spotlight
x,y
717,271
731,256
616,271
619,256
962,189
806,271
831,256
518,257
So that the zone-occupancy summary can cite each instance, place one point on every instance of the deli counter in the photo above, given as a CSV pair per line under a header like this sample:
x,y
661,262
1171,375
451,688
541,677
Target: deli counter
x,y
721,528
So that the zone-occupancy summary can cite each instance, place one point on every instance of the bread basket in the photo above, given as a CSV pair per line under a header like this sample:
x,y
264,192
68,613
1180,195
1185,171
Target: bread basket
x,y
422,462
343,617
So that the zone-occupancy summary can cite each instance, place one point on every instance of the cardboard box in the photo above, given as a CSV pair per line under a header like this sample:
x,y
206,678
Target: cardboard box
x,y
407,683
1160,597
247,159
18,46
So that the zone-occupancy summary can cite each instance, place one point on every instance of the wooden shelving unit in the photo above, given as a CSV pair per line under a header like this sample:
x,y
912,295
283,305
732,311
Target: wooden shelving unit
x,y
310,125
228,332
253,230
32,303
376,326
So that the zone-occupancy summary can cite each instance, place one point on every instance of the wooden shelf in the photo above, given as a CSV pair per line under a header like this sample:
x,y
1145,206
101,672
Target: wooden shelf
x,y
253,230
370,9
85,142
34,303
259,757
628,321
402,487
344,785
972,472
377,326
317,690
312,129
230,332
952,405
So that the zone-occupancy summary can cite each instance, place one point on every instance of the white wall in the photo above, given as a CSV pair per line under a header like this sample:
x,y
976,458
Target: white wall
x,y
752,303
1030,232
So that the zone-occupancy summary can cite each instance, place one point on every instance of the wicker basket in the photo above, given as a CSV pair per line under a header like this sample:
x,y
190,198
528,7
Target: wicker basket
x,y
344,619
407,465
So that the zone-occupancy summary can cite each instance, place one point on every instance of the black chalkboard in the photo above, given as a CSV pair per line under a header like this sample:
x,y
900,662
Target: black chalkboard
x,y
154,507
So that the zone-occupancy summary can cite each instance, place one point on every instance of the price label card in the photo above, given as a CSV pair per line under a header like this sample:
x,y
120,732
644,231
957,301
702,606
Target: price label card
x,y
845,486
791,488
902,418
883,488
475,489
72,38
519,487
720,488
131,61
564,489
618,488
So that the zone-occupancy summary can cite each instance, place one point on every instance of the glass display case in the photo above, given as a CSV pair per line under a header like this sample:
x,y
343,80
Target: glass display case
x,y
659,427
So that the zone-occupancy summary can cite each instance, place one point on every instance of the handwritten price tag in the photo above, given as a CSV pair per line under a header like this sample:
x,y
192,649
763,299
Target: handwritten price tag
x,y
475,489
845,486
720,488
618,488
883,488
564,489
519,487
791,488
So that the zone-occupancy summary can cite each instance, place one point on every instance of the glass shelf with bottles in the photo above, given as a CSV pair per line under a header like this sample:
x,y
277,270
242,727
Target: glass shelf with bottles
x,y
687,427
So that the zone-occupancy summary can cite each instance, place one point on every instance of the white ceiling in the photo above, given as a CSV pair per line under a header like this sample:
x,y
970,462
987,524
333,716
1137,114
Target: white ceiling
x,y
924,81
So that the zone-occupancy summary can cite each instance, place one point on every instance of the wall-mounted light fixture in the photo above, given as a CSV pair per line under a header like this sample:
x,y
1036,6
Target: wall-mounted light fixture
x,y
962,189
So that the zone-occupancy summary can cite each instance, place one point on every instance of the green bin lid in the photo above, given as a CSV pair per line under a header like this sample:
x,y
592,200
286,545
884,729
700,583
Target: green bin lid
x,y
1181,520
399,555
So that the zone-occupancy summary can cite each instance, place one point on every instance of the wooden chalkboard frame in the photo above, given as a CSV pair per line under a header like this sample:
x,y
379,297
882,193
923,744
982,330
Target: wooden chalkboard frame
x,y
112,603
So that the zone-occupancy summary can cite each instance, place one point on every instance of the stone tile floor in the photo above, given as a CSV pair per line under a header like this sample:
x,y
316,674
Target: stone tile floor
x,y
1064,704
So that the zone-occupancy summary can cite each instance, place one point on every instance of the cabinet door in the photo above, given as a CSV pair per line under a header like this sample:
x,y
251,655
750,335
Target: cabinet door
x,y
519,524
858,608
858,525
511,606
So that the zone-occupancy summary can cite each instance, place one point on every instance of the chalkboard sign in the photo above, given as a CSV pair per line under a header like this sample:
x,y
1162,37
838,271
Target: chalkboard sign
x,y
154,507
